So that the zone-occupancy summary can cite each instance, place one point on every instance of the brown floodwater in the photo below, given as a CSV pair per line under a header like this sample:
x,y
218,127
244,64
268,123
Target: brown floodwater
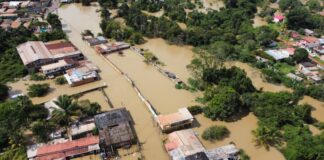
x,y
21,86
77,18
240,134
155,87
176,58
318,110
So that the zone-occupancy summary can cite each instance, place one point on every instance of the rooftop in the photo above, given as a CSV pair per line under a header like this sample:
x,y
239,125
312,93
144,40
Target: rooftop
x,y
82,128
112,118
32,51
67,149
60,63
182,115
183,143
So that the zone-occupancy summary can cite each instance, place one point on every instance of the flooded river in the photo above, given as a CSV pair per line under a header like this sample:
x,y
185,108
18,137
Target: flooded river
x,y
159,90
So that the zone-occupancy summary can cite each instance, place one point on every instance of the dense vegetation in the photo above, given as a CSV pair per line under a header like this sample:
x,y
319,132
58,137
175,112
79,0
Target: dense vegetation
x,y
56,33
10,64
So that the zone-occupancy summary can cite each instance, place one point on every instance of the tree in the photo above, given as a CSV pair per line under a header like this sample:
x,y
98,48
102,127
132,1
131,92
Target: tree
x,y
300,55
89,109
288,4
265,35
223,104
41,130
215,133
68,112
38,90
54,21
267,136
60,80
3,92
314,5
86,2
105,14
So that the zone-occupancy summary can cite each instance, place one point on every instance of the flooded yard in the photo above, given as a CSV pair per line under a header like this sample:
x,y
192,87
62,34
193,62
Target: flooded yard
x,y
241,135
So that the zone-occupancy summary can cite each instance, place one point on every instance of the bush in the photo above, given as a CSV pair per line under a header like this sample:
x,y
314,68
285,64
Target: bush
x,y
60,80
243,155
194,110
37,77
38,90
215,133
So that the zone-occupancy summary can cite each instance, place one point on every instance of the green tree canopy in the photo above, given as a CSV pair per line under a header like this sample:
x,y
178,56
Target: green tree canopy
x,y
224,103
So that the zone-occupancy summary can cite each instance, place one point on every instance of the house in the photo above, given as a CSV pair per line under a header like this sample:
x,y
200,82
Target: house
x,y
185,145
32,149
58,67
278,54
319,50
278,18
96,41
174,121
294,77
15,24
311,42
111,47
182,144
81,74
226,152
35,54
68,150
309,32
6,24
82,130
115,130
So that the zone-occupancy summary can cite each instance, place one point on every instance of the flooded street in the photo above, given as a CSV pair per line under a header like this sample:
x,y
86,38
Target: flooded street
x,y
158,89
76,19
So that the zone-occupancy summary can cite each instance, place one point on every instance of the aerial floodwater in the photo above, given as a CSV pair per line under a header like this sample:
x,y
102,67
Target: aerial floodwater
x,y
158,89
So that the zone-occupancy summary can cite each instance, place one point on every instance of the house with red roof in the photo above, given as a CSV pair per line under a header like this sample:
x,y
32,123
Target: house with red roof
x,y
278,18
69,149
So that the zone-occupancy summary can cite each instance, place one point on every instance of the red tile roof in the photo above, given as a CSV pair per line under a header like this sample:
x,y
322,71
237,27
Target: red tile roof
x,y
310,39
66,149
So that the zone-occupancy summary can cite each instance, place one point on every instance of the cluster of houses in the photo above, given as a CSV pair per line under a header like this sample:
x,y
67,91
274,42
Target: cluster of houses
x,y
115,130
13,14
183,144
312,68
56,58
102,46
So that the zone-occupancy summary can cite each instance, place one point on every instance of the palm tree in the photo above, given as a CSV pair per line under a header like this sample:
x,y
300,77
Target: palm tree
x,y
265,136
68,113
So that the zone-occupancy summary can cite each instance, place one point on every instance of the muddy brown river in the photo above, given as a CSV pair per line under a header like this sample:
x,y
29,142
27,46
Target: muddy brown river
x,y
159,90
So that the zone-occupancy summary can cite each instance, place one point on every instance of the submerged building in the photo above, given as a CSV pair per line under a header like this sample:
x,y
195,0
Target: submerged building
x,y
35,54
185,145
174,121
115,130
